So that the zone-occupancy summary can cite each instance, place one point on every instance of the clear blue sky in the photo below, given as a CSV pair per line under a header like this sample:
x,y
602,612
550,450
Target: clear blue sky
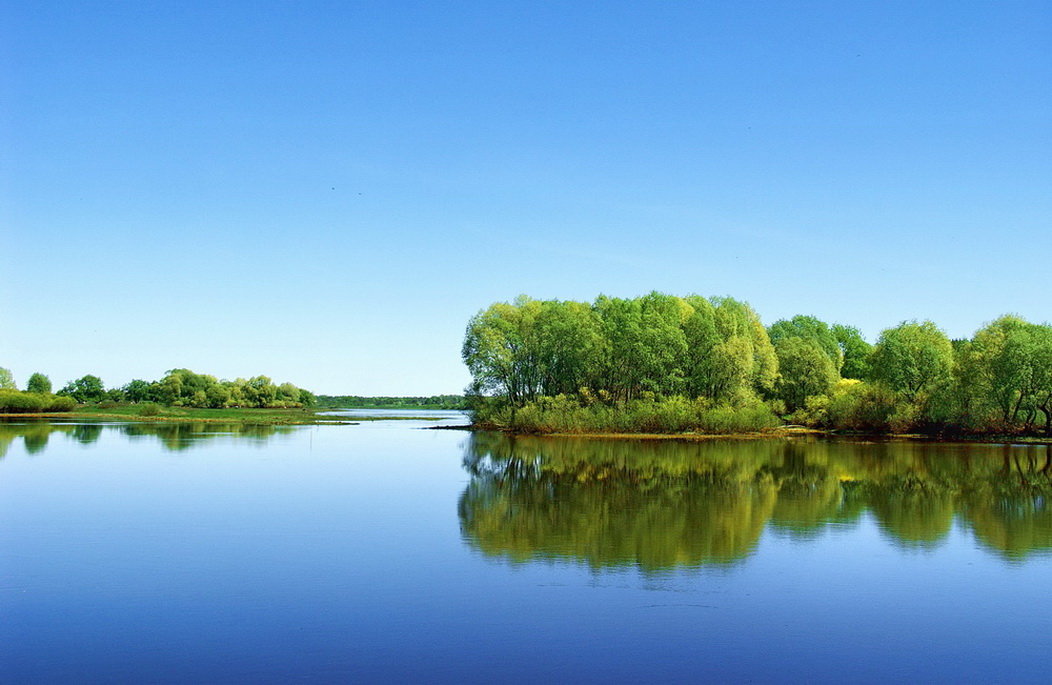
x,y
326,192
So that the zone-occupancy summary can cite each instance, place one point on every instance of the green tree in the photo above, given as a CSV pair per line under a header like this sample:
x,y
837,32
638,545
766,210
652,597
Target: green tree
x,y
806,370
855,351
912,358
85,389
38,382
745,360
1004,353
138,391
499,353
561,339
809,328
7,381
1041,378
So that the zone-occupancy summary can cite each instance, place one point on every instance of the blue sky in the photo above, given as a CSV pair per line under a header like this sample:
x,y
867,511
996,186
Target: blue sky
x,y
326,192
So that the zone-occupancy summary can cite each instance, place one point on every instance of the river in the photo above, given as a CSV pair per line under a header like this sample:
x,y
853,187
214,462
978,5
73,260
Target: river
x,y
384,551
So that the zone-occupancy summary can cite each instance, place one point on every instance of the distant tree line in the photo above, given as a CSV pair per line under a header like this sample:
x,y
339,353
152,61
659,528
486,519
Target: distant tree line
x,y
178,388
37,397
422,402
667,364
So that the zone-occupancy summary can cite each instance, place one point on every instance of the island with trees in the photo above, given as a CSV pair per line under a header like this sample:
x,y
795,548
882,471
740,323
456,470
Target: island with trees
x,y
662,364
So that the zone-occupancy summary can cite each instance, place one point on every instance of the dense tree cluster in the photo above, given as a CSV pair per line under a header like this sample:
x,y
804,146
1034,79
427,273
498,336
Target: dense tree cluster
x,y
178,388
184,388
621,349
665,363
388,402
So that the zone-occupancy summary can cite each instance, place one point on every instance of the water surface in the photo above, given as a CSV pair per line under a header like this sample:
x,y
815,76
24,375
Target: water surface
x,y
210,552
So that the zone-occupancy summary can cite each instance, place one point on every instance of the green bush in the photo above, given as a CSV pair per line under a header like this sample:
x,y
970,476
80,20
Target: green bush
x,y
565,414
149,409
61,403
15,402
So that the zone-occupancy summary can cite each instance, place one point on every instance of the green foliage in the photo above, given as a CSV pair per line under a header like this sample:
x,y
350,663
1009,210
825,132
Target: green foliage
x,y
149,409
137,391
806,369
620,348
648,414
184,388
1008,365
855,351
16,402
85,389
812,330
912,358
40,383
7,381
631,364
60,403
359,402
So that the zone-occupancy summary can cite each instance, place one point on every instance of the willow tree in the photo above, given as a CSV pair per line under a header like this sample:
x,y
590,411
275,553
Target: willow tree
x,y
1041,379
855,351
1002,352
912,358
744,361
498,351
805,370
1009,365
813,330
567,339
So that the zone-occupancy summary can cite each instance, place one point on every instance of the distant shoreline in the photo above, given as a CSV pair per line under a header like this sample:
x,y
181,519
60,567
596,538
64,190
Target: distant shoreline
x,y
246,415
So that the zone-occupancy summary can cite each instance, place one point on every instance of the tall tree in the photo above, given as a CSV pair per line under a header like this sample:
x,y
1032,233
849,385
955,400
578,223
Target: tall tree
x,y
38,382
7,381
855,351
87,388
1004,352
809,328
912,358
805,369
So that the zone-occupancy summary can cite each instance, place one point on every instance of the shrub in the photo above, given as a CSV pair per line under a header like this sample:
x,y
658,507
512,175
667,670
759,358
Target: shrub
x,y
565,414
61,403
15,402
149,409
855,405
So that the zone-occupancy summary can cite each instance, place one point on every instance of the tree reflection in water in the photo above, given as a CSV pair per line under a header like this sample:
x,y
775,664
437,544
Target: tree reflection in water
x,y
175,436
662,504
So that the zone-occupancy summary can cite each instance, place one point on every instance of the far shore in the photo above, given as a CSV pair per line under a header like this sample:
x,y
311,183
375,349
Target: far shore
x,y
299,416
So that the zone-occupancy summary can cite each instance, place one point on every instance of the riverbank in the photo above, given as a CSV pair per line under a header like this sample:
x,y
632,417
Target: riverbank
x,y
154,413
771,433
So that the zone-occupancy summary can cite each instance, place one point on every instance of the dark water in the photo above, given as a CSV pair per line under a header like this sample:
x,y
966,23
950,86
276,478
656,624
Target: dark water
x,y
381,552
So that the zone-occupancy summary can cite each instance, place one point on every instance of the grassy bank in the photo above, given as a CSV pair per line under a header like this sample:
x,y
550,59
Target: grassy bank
x,y
680,418
566,415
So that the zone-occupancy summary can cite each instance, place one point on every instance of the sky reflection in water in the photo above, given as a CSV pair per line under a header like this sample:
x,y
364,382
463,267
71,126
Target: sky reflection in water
x,y
179,552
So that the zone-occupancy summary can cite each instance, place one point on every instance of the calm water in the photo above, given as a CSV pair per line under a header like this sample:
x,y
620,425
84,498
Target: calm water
x,y
383,552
